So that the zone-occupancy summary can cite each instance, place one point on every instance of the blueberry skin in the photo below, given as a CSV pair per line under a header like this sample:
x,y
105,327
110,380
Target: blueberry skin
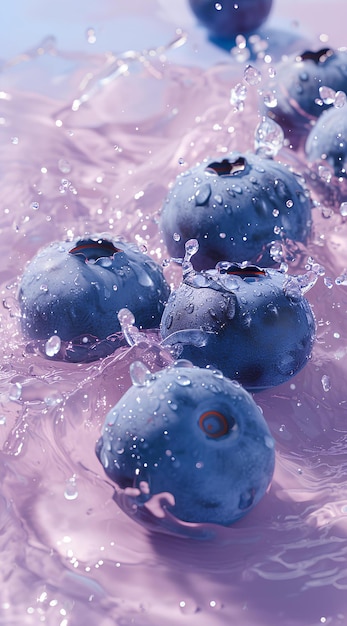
x,y
235,206
77,288
233,18
253,324
195,434
327,141
296,87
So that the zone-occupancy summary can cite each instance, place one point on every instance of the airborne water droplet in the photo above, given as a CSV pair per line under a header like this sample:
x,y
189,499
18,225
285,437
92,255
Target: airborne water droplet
x,y
140,374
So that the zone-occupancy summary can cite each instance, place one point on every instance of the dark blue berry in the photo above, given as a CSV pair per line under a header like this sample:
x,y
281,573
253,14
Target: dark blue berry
x,y
195,435
327,141
297,84
70,289
253,324
226,18
235,206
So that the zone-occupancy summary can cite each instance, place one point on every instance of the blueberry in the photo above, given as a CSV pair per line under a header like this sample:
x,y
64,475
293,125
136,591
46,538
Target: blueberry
x,y
297,84
194,434
327,141
227,18
235,206
77,288
251,323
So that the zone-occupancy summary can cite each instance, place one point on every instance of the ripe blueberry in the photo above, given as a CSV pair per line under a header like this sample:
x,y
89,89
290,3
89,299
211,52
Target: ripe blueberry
x,y
253,324
77,288
296,88
227,18
194,434
235,206
327,141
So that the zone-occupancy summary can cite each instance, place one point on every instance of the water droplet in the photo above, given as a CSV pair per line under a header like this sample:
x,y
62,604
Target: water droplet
x,y
188,607
71,491
269,138
270,99
176,237
328,282
326,384
34,206
140,374
15,391
64,166
91,37
327,94
53,345
183,381
343,209
238,96
2,420
203,194
252,75
340,99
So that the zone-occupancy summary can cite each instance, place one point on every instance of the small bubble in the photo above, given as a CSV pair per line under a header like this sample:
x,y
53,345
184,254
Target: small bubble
x,y
2,420
343,209
218,6
15,141
34,206
176,237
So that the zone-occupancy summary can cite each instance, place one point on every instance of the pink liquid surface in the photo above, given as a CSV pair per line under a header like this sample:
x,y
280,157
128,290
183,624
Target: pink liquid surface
x,y
88,145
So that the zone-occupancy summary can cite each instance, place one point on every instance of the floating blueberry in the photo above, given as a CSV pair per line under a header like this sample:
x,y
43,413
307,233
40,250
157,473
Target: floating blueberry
x,y
235,206
253,324
77,288
300,86
227,18
195,435
327,141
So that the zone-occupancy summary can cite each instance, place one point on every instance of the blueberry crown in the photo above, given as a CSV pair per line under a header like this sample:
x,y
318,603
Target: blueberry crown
x,y
94,249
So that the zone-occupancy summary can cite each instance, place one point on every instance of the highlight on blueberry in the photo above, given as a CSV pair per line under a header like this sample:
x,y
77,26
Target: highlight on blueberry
x,y
227,18
76,289
304,86
253,324
327,141
193,436
235,206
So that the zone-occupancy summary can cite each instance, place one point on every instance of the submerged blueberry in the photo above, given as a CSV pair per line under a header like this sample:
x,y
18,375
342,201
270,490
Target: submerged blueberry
x,y
235,206
77,288
226,19
253,324
195,435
